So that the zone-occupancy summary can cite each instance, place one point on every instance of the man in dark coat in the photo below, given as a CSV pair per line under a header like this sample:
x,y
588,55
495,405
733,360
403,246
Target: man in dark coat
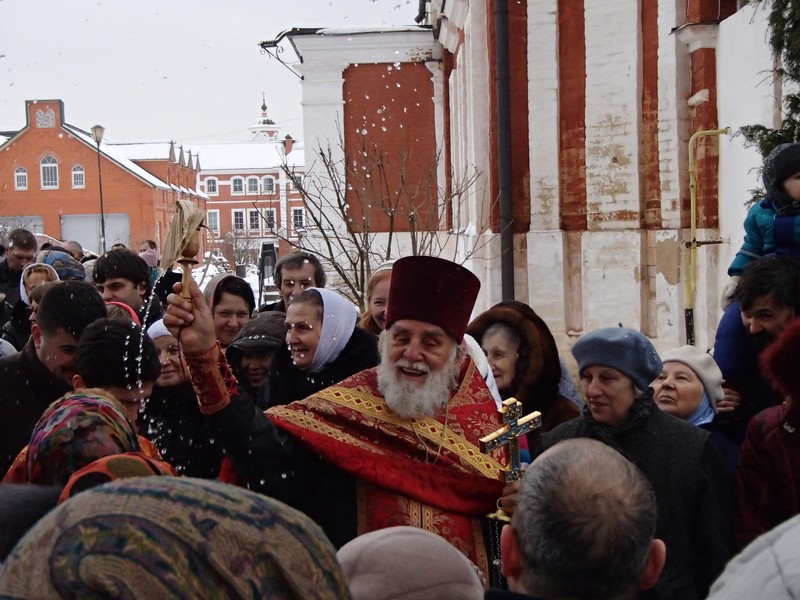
x,y
769,298
295,272
122,276
21,251
42,372
584,526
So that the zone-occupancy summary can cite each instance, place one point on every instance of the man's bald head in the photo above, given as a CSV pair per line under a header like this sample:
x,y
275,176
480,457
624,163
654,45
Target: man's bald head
x,y
584,524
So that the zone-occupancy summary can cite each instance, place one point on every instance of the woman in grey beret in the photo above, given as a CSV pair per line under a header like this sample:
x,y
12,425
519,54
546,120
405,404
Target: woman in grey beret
x,y
616,366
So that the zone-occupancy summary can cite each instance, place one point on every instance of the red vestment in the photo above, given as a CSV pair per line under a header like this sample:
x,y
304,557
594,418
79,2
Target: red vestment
x,y
426,473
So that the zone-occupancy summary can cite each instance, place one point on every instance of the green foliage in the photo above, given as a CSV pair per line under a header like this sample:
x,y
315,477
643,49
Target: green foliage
x,y
784,40
784,36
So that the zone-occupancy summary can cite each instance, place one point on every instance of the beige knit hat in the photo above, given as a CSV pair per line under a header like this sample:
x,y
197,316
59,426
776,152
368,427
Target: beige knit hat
x,y
406,563
702,363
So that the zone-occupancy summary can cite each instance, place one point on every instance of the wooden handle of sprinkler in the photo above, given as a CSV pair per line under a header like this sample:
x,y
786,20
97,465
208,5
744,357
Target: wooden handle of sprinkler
x,y
186,281
187,261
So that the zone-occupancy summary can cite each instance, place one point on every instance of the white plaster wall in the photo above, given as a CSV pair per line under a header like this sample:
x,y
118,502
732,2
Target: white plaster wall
x,y
545,242
613,109
543,113
747,96
470,153
611,267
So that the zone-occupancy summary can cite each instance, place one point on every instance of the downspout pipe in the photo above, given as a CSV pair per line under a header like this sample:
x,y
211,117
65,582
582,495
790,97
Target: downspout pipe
x,y
690,282
504,149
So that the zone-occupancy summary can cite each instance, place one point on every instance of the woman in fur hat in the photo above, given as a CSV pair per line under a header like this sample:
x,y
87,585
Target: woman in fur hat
x,y
524,360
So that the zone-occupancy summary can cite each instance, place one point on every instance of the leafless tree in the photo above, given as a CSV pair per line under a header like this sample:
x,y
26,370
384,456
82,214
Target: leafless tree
x,y
359,206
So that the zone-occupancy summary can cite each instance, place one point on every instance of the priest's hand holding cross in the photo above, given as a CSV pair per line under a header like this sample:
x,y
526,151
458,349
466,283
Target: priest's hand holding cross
x,y
515,427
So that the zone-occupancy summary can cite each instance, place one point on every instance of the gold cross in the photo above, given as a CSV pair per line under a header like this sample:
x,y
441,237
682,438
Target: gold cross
x,y
515,426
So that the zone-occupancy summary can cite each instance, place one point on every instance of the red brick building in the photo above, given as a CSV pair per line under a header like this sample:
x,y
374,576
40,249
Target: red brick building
x,y
251,199
49,182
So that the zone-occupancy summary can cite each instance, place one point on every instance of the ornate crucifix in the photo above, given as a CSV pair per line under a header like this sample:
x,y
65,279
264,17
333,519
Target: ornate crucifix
x,y
515,426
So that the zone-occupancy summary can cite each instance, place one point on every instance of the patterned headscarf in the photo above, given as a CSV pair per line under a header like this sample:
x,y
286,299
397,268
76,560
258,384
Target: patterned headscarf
x,y
65,265
173,537
111,468
74,431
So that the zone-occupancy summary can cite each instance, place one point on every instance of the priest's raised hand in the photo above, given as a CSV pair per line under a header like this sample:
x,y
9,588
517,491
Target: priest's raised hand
x,y
191,323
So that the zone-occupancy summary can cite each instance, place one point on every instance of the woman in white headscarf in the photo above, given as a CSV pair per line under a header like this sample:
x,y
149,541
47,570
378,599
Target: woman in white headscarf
x,y
323,346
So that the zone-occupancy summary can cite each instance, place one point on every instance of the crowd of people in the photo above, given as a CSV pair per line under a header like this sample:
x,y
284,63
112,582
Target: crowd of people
x,y
157,445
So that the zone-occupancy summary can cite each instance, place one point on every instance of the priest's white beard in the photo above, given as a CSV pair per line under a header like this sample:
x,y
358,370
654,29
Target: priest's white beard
x,y
409,400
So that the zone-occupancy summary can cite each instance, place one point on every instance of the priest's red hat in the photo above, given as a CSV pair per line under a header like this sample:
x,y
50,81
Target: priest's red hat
x,y
434,290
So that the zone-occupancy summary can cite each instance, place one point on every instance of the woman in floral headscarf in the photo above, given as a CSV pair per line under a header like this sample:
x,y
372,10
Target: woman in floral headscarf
x,y
73,432
167,537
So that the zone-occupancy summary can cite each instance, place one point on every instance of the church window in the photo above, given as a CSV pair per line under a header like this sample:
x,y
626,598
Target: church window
x,y
49,173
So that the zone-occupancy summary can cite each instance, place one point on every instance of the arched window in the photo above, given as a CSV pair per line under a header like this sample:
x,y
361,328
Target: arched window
x,y
211,186
21,178
252,185
78,178
269,185
49,167
237,185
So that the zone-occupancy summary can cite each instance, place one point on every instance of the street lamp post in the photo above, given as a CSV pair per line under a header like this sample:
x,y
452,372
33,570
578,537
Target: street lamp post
x,y
97,135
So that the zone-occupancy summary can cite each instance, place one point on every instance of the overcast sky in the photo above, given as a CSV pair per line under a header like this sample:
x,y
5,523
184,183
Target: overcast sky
x,y
188,70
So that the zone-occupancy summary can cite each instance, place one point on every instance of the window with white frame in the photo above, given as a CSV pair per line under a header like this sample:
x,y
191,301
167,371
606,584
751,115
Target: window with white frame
x,y
269,218
252,185
21,178
298,181
49,167
211,186
269,185
237,185
253,220
298,219
212,221
237,218
78,178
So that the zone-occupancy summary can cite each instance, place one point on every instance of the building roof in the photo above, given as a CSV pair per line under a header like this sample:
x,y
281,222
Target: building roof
x,y
254,155
117,155
147,150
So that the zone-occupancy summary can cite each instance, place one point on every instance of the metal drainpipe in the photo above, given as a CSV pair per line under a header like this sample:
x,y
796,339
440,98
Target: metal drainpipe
x,y
504,149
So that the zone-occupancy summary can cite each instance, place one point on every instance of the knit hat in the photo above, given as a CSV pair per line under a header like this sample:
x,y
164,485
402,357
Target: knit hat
x,y
265,331
433,290
704,366
779,361
620,348
785,162
406,563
